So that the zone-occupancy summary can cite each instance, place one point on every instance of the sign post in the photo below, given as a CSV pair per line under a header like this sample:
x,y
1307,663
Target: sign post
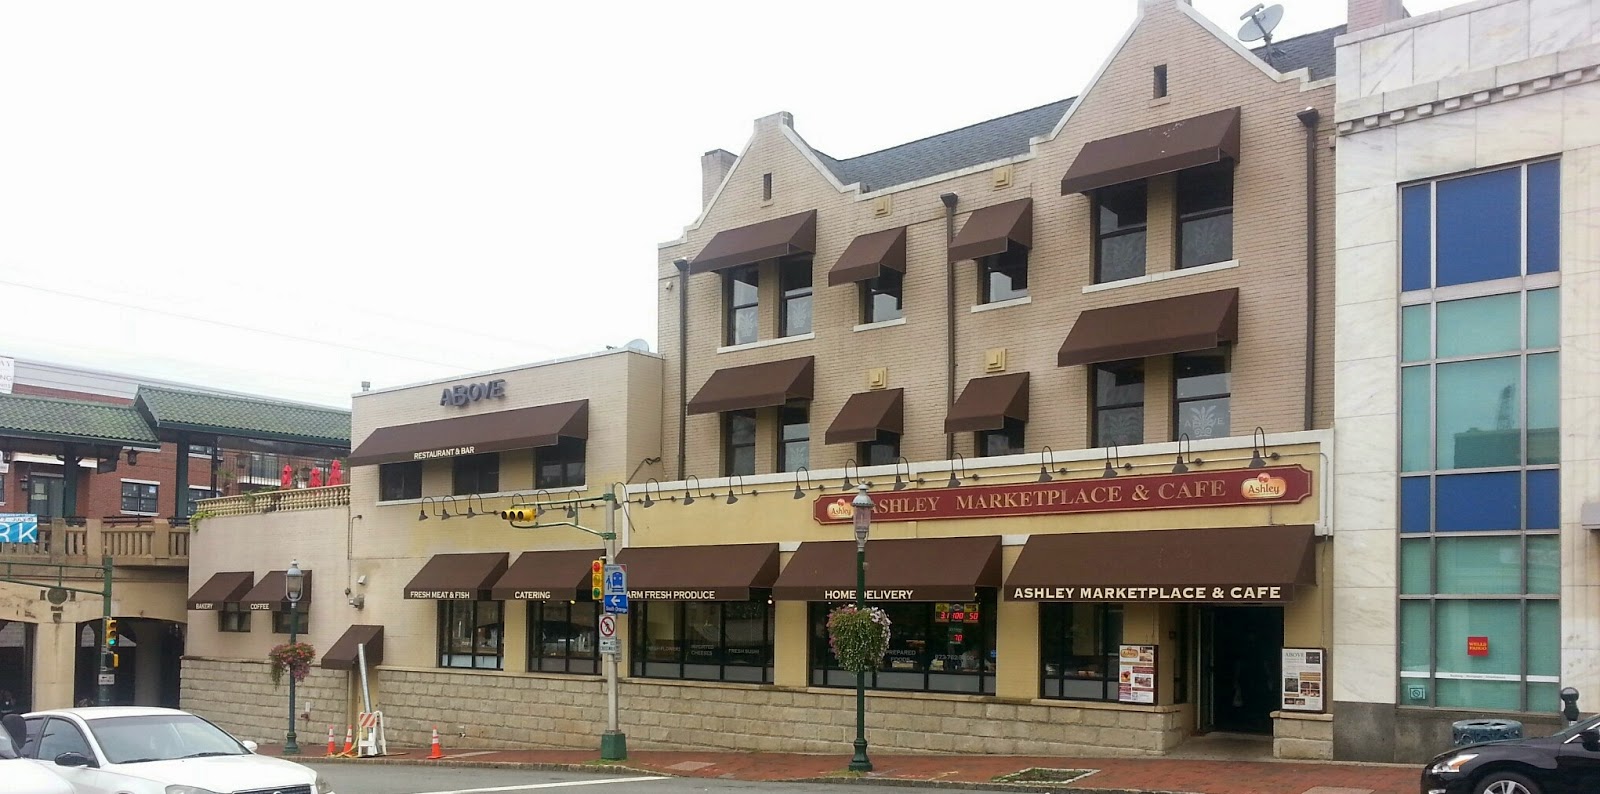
x,y
613,743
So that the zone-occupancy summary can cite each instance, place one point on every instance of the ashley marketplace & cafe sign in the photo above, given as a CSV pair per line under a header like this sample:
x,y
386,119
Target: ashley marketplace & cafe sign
x,y
1229,488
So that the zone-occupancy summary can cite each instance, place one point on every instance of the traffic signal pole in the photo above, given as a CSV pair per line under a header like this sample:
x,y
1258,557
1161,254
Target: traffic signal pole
x,y
613,743
108,639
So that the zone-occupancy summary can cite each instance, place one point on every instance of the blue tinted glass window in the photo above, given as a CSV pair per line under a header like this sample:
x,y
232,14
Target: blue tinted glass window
x,y
1475,502
1544,217
1414,505
1416,235
1544,499
1480,227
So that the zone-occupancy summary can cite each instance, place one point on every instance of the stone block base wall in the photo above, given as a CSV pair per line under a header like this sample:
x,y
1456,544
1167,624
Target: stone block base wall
x,y
239,697
1302,736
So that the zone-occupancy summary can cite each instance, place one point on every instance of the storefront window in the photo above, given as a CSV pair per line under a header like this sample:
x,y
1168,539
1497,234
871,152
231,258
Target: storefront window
x,y
232,618
704,640
471,634
1078,646
933,647
281,619
562,637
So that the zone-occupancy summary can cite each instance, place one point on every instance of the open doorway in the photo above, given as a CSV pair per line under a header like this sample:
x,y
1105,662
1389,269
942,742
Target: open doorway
x,y
1240,665
16,666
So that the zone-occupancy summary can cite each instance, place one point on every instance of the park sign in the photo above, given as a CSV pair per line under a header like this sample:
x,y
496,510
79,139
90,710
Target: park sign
x,y
1225,488
19,528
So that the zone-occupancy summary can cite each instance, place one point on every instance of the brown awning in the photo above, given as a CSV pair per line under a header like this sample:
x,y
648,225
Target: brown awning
x,y
792,234
222,588
699,573
915,569
992,230
1161,149
1152,328
754,386
866,413
343,655
497,431
272,592
986,403
458,576
869,255
547,576
1227,564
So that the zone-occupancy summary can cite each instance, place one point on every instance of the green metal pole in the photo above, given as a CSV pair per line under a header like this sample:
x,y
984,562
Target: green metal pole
x,y
860,762
290,745
107,673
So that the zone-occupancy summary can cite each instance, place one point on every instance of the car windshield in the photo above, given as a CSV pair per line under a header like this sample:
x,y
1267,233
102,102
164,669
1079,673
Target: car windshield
x,y
161,737
1572,730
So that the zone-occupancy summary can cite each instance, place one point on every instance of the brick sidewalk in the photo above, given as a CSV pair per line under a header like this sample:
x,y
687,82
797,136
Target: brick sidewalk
x,y
1120,774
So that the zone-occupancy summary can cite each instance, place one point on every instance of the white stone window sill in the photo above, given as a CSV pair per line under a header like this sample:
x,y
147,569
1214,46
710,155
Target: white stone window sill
x,y
782,340
989,307
1155,277
880,324
146,515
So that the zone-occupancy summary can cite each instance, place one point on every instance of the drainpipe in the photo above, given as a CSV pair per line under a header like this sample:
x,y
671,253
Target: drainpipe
x,y
949,200
1309,117
683,363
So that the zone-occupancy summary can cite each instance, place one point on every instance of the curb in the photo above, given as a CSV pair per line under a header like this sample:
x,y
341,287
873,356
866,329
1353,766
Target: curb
x,y
1037,788
470,764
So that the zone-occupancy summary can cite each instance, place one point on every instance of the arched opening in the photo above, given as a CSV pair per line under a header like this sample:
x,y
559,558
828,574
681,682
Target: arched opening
x,y
16,666
149,662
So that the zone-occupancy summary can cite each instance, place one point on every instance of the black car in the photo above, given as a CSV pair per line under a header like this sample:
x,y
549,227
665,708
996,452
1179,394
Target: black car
x,y
1564,763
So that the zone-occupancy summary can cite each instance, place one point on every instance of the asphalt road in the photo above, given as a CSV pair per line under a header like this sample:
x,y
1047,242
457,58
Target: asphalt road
x,y
408,779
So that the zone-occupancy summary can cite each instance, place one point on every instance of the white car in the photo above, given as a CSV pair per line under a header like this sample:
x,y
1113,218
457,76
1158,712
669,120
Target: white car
x,y
22,776
124,750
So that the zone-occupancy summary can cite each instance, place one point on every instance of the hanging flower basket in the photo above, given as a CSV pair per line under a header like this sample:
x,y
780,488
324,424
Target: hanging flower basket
x,y
859,637
295,657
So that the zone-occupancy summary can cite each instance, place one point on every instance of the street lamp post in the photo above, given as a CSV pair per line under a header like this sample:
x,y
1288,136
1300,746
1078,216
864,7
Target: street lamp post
x,y
294,587
863,525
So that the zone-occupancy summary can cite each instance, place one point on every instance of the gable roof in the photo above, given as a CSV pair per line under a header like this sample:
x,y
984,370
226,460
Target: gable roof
x,y
72,421
1312,51
172,410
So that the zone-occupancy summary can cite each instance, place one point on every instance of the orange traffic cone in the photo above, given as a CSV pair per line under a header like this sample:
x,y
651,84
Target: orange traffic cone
x,y
349,740
333,748
436,752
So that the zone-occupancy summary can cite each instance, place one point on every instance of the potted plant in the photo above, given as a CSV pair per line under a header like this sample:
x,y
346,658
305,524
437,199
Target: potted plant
x,y
295,657
859,637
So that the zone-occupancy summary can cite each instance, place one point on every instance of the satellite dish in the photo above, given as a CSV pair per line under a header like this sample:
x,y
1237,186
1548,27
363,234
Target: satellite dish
x,y
1260,22
639,345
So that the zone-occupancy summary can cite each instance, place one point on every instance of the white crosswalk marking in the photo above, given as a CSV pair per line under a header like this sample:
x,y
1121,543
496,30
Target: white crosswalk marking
x,y
533,786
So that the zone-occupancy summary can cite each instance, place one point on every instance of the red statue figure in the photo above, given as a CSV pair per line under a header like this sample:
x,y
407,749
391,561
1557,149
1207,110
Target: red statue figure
x,y
288,477
336,474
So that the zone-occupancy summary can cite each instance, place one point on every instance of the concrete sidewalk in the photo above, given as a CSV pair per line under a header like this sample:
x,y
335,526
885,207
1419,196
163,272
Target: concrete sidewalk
x,y
1106,774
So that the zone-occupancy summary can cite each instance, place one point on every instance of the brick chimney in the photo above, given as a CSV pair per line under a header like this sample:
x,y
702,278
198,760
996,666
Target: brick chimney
x,y
714,167
1365,14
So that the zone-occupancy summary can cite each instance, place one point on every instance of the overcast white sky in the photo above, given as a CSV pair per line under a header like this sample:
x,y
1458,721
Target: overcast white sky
x,y
290,198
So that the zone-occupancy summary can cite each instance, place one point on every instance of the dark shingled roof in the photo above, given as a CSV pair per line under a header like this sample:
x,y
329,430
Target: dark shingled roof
x,y
1008,135
72,421
174,410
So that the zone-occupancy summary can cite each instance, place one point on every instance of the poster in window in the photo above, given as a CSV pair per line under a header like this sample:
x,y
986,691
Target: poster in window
x,y
1136,674
1303,679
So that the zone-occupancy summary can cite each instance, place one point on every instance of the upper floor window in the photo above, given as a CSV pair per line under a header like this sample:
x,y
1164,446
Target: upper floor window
x,y
1119,403
1005,275
1200,393
1205,215
1120,215
794,448
739,443
1005,441
1457,231
560,465
475,474
196,493
1159,81
880,296
742,296
283,620
201,451
233,618
794,279
400,481
265,467
140,497
881,451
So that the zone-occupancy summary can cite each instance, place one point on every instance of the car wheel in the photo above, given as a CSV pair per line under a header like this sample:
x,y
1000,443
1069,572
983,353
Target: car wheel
x,y
1500,782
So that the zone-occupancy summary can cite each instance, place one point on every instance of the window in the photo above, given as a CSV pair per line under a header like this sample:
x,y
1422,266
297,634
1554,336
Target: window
x,y
704,640
282,618
1480,555
1078,646
233,619
739,443
61,736
880,297
2,489
140,497
475,474
742,296
471,634
1005,441
1200,393
794,443
1120,213
1005,275
881,451
265,467
197,493
201,451
933,647
1119,403
563,637
1205,215
766,187
794,279
1159,75
400,481
561,465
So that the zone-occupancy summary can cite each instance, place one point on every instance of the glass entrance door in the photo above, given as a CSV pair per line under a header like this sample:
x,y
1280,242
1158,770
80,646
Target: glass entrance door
x,y
44,495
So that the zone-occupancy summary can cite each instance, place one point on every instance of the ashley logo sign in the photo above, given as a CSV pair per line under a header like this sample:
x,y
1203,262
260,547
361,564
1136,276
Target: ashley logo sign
x,y
1229,488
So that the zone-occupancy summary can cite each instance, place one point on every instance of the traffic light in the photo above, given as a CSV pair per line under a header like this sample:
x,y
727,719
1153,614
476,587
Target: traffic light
x,y
518,514
110,660
597,577
111,632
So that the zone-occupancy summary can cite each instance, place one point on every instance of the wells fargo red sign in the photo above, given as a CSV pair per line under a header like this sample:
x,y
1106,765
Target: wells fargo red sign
x,y
1229,488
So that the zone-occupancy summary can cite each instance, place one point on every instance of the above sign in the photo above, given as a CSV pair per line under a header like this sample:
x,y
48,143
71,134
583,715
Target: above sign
x,y
1227,488
1200,594
463,394
19,528
1302,679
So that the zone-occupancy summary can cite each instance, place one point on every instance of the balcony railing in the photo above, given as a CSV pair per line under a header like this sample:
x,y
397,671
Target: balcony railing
x,y
274,501
146,543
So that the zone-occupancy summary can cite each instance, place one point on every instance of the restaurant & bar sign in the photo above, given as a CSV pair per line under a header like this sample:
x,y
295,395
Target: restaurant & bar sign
x,y
1228,488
